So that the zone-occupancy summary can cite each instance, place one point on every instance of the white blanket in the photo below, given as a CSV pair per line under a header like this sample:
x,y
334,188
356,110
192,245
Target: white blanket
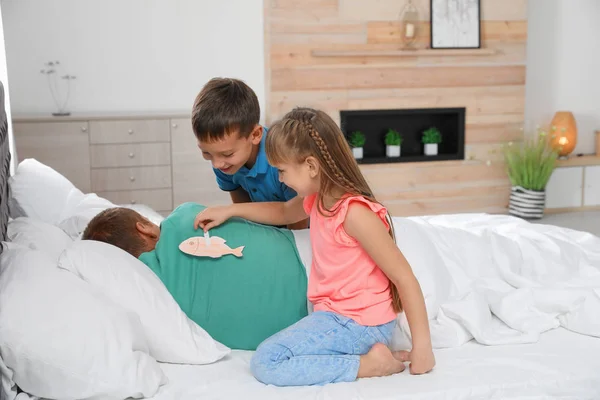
x,y
498,279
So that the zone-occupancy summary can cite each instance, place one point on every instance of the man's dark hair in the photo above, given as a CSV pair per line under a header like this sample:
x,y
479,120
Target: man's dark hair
x,y
222,107
117,226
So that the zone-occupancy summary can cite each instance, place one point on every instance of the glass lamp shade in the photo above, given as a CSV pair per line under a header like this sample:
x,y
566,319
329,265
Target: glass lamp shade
x,y
564,132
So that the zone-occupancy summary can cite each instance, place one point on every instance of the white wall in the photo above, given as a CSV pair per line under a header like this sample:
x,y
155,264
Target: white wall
x,y
131,55
563,65
4,79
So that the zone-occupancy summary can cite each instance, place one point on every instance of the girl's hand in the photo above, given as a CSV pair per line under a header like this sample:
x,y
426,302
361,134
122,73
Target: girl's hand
x,y
421,361
212,217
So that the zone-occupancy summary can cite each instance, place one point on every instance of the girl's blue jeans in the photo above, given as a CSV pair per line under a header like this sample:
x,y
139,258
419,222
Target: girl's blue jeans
x,y
321,348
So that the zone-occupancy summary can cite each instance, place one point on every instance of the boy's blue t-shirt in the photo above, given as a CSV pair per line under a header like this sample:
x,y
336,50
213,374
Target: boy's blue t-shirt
x,y
261,181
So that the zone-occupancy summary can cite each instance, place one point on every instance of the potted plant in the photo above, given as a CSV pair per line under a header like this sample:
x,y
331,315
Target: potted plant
x,y
431,138
529,166
357,141
393,141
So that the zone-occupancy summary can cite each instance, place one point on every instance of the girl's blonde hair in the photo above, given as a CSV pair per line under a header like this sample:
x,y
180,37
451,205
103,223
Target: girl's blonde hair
x,y
305,132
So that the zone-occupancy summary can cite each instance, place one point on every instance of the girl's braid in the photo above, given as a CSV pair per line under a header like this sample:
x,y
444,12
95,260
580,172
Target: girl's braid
x,y
305,122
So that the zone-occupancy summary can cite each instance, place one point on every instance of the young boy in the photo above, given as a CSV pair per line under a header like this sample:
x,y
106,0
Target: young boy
x,y
225,120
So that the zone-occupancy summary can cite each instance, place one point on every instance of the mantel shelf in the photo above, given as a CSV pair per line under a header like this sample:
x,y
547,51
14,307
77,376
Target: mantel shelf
x,y
403,53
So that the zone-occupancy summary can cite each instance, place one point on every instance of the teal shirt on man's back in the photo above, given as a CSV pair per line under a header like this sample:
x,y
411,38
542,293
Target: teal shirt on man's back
x,y
239,301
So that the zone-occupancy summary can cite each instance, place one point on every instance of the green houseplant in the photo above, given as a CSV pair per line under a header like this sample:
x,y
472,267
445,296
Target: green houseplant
x,y
431,138
393,141
529,166
357,141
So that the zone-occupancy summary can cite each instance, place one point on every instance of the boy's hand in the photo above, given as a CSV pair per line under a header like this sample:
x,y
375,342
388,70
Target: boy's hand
x,y
421,361
212,217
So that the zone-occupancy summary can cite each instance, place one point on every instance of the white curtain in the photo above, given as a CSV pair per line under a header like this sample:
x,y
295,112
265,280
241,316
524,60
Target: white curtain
x,y
4,79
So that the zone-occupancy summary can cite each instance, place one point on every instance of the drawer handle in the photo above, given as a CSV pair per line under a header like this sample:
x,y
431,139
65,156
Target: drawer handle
x,y
132,178
131,131
131,155
83,129
133,201
174,125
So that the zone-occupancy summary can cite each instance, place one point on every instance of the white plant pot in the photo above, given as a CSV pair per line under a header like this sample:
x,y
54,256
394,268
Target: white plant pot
x,y
431,149
392,151
357,152
527,204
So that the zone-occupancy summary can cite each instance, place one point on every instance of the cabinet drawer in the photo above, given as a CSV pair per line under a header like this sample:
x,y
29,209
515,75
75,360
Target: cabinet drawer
x,y
130,131
592,186
157,199
564,188
136,178
130,155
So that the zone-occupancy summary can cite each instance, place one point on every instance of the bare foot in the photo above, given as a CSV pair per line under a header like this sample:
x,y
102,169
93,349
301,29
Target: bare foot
x,y
379,361
402,355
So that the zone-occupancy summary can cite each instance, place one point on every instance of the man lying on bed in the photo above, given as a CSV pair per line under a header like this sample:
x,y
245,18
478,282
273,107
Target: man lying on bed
x,y
238,301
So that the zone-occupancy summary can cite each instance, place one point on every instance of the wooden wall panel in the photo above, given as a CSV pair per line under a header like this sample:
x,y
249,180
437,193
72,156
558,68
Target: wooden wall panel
x,y
386,10
332,77
489,84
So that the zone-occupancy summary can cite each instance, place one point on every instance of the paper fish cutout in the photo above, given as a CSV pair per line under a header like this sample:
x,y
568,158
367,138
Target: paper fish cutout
x,y
196,246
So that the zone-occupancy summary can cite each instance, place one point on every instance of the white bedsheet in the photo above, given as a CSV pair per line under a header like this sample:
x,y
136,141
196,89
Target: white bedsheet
x,y
561,365
520,290
497,279
501,280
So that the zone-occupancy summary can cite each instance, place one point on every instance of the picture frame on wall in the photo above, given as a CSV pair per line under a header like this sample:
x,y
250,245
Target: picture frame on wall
x,y
455,24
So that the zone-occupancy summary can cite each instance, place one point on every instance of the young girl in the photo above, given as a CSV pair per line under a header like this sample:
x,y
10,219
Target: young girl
x,y
358,279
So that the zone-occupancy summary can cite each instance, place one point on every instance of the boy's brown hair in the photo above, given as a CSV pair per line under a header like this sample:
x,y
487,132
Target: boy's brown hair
x,y
117,226
224,106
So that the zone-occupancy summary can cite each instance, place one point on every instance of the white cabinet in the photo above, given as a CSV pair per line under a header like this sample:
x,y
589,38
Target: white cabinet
x,y
65,146
564,189
574,184
150,159
592,186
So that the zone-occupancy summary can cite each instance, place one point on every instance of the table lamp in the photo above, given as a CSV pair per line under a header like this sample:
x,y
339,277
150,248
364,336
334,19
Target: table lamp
x,y
563,131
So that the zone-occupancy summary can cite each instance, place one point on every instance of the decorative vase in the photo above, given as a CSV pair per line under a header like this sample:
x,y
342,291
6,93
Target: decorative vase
x,y
563,131
392,151
527,204
409,24
60,92
431,149
357,152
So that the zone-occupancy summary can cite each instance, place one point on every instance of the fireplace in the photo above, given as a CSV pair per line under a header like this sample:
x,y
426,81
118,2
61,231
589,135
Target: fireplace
x,y
410,123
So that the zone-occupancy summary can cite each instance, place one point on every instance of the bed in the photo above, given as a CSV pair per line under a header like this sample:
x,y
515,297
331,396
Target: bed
x,y
480,353
561,365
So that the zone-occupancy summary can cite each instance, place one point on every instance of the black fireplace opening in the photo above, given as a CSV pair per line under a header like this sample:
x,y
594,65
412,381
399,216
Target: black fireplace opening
x,y
410,123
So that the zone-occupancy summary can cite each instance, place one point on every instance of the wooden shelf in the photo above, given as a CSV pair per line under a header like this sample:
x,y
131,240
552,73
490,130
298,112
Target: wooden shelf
x,y
408,159
403,53
575,161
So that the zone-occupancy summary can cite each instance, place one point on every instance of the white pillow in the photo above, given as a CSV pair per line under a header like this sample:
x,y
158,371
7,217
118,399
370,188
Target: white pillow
x,y
38,192
417,241
42,193
38,235
172,336
62,340
79,210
